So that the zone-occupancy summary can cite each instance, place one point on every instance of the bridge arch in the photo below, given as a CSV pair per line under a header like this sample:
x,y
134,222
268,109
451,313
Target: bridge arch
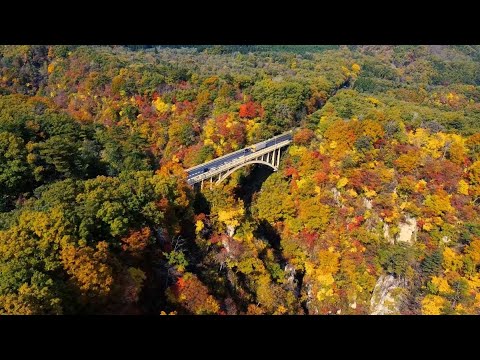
x,y
231,171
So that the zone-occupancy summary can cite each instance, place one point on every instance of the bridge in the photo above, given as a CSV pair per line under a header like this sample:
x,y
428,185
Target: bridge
x,y
215,171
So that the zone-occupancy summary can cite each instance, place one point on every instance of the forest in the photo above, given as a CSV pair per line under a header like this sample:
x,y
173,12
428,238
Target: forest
x,y
375,208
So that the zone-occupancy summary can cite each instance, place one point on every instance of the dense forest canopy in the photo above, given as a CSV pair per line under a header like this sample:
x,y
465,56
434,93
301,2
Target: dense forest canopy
x,y
375,207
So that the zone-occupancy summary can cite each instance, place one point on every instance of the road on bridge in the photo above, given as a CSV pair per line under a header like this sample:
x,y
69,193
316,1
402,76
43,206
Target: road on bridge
x,y
224,160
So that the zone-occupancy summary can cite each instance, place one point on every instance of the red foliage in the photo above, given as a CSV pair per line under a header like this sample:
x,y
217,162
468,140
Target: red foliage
x,y
379,143
451,218
361,177
420,223
200,217
193,295
139,100
162,204
371,268
308,237
181,283
250,110
184,85
356,222
405,148
291,171
182,152
136,241
342,212
317,155
303,136
231,132
184,106
178,287
215,238
358,245
320,177
146,110
441,174
467,213
386,213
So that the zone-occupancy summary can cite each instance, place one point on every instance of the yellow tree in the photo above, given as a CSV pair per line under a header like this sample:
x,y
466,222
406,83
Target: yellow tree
x,y
474,179
433,304
89,269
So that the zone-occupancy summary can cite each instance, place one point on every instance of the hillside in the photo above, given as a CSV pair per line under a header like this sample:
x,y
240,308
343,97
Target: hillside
x,y
375,208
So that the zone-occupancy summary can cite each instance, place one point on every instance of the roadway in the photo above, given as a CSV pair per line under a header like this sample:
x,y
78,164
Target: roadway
x,y
224,160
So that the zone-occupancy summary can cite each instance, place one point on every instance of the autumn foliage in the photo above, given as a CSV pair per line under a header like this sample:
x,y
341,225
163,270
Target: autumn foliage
x,y
374,207
250,110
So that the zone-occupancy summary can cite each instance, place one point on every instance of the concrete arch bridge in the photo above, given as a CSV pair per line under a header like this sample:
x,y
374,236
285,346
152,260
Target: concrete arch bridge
x,y
215,171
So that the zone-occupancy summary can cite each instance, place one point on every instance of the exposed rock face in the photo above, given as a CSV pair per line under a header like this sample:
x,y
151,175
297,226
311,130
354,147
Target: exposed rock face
x,y
230,230
290,275
336,196
386,296
367,203
291,281
226,244
386,233
408,231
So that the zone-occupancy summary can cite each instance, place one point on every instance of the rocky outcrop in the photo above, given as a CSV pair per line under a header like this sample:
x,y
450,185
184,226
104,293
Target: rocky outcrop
x,y
408,230
336,196
291,279
367,203
230,230
387,296
386,233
